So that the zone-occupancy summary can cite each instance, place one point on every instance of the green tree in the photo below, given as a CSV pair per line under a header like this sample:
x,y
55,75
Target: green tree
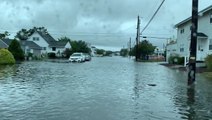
x,y
4,35
15,49
100,51
124,52
64,39
80,46
108,53
24,34
145,48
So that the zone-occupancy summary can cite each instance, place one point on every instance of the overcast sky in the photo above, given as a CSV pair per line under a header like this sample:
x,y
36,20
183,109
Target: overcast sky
x,y
103,23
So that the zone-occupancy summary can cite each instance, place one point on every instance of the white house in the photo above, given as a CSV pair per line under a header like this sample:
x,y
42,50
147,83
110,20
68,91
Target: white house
x,y
171,49
43,43
204,36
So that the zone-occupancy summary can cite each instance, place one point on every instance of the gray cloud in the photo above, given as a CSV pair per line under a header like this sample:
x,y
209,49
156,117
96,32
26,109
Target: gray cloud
x,y
99,22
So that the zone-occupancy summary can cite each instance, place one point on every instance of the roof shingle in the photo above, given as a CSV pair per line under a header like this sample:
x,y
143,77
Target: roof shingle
x,y
51,41
31,45
7,41
3,44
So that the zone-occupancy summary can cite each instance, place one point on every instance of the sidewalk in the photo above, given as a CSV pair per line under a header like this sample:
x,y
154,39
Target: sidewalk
x,y
183,68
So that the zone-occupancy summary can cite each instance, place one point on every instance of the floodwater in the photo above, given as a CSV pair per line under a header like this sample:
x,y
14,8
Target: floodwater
x,y
106,88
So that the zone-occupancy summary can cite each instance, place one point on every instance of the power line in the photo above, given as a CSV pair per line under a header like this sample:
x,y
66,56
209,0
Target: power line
x,y
153,16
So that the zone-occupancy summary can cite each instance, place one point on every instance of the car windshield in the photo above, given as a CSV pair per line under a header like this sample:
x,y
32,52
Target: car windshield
x,y
77,54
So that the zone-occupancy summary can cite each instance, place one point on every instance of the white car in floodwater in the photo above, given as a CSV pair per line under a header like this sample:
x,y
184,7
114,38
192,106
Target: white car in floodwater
x,y
87,57
77,57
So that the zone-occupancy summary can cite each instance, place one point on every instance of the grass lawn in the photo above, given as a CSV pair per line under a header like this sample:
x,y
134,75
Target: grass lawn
x,y
150,60
207,74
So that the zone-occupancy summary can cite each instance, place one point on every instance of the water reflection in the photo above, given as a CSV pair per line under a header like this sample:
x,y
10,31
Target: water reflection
x,y
190,102
136,90
7,71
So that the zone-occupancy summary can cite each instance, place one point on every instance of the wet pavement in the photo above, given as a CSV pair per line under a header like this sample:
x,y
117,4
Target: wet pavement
x,y
106,88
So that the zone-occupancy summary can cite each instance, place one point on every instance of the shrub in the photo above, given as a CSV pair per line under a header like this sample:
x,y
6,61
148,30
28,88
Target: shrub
x,y
208,62
6,57
67,53
51,55
30,55
124,52
176,60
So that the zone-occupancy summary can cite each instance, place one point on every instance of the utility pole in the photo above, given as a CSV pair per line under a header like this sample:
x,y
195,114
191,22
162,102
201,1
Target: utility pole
x,y
130,46
193,44
137,39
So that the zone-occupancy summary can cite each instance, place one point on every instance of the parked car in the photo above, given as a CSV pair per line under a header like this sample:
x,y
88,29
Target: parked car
x,y
87,57
77,57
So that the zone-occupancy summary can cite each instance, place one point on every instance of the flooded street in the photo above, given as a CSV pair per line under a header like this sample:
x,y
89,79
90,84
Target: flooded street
x,y
106,88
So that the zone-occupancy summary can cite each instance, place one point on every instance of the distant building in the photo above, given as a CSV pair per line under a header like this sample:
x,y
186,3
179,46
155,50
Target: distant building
x,y
171,49
93,50
204,36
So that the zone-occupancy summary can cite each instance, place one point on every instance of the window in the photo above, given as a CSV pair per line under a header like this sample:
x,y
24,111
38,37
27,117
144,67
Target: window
x,y
28,50
210,47
44,48
182,31
211,18
53,48
35,38
181,49
210,44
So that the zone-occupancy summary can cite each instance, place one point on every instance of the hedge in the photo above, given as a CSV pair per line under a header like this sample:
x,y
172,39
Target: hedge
x,y
208,62
6,57
176,60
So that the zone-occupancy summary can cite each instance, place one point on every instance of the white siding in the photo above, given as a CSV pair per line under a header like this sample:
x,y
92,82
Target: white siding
x,y
68,45
171,50
206,27
183,39
41,42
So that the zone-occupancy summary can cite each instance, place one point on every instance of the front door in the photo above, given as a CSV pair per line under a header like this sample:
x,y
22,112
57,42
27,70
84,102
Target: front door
x,y
201,49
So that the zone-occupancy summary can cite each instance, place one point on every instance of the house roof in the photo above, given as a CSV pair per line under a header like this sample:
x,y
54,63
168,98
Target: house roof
x,y
31,45
200,34
3,44
7,41
58,44
200,13
51,41
46,36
